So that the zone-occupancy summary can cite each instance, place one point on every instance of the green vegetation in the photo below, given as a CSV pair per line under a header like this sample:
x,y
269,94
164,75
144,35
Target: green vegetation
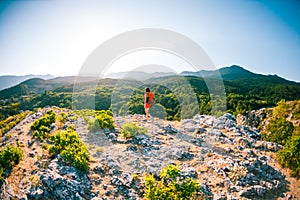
x,y
10,122
41,127
103,119
62,118
245,91
284,108
71,148
290,155
279,130
130,130
171,185
9,157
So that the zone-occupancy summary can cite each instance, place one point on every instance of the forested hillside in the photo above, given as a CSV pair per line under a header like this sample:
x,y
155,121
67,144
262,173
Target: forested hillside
x,y
245,91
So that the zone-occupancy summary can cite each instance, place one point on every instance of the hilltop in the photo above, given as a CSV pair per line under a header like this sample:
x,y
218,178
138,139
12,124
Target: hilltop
x,y
230,160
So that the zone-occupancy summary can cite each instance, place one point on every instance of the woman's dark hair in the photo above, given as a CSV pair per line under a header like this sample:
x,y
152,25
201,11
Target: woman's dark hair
x,y
147,89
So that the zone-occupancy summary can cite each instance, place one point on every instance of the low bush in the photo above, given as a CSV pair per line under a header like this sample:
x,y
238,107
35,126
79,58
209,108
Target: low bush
x,y
103,119
171,185
41,127
9,157
10,122
129,130
290,155
279,130
62,119
71,148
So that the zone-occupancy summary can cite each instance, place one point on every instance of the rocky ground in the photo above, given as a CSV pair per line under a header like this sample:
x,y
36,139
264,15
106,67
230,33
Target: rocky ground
x,y
229,160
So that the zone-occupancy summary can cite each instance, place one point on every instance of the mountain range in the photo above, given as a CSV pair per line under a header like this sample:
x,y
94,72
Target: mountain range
x,y
47,82
12,80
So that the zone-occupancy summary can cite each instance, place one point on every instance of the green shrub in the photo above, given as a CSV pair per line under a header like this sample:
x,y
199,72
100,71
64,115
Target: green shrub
x,y
296,110
129,130
171,185
63,118
9,157
10,122
290,155
71,148
285,109
42,133
279,130
296,131
41,126
2,175
102,120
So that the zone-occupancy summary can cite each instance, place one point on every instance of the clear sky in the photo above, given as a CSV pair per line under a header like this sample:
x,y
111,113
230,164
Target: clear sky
x,y
56,36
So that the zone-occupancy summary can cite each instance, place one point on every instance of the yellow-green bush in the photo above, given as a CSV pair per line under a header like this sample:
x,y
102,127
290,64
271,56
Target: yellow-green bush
x,y
129,130
171,185
62,118
279,130
71,148
284,109
103,119
41,126
10,122
290,155
9,157
284,132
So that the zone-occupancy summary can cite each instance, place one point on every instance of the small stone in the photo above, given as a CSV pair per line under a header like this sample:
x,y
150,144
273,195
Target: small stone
x,y
52,126
184,155
108,193
201,130
79,197
244,193
259,190
170,130
116,191
30,143
114,172
32,154
112,136
24,197
264,158
99,170
106,131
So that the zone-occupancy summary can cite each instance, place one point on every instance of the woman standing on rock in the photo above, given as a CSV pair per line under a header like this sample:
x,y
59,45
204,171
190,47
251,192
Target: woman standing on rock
x,y
148,101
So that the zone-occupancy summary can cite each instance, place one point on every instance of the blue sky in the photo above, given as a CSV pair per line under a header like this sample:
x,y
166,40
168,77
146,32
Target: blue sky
x,y
56,36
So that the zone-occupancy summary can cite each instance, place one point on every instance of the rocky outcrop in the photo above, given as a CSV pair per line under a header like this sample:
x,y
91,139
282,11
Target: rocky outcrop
x,y
228,158
59,181
254,118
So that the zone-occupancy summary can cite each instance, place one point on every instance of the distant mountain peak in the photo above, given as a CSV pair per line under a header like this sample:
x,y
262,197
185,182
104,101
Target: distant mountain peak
x,y
8,81
236,67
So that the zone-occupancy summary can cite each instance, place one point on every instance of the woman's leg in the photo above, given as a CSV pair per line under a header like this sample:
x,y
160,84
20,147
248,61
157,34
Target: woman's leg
x,y
147,112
